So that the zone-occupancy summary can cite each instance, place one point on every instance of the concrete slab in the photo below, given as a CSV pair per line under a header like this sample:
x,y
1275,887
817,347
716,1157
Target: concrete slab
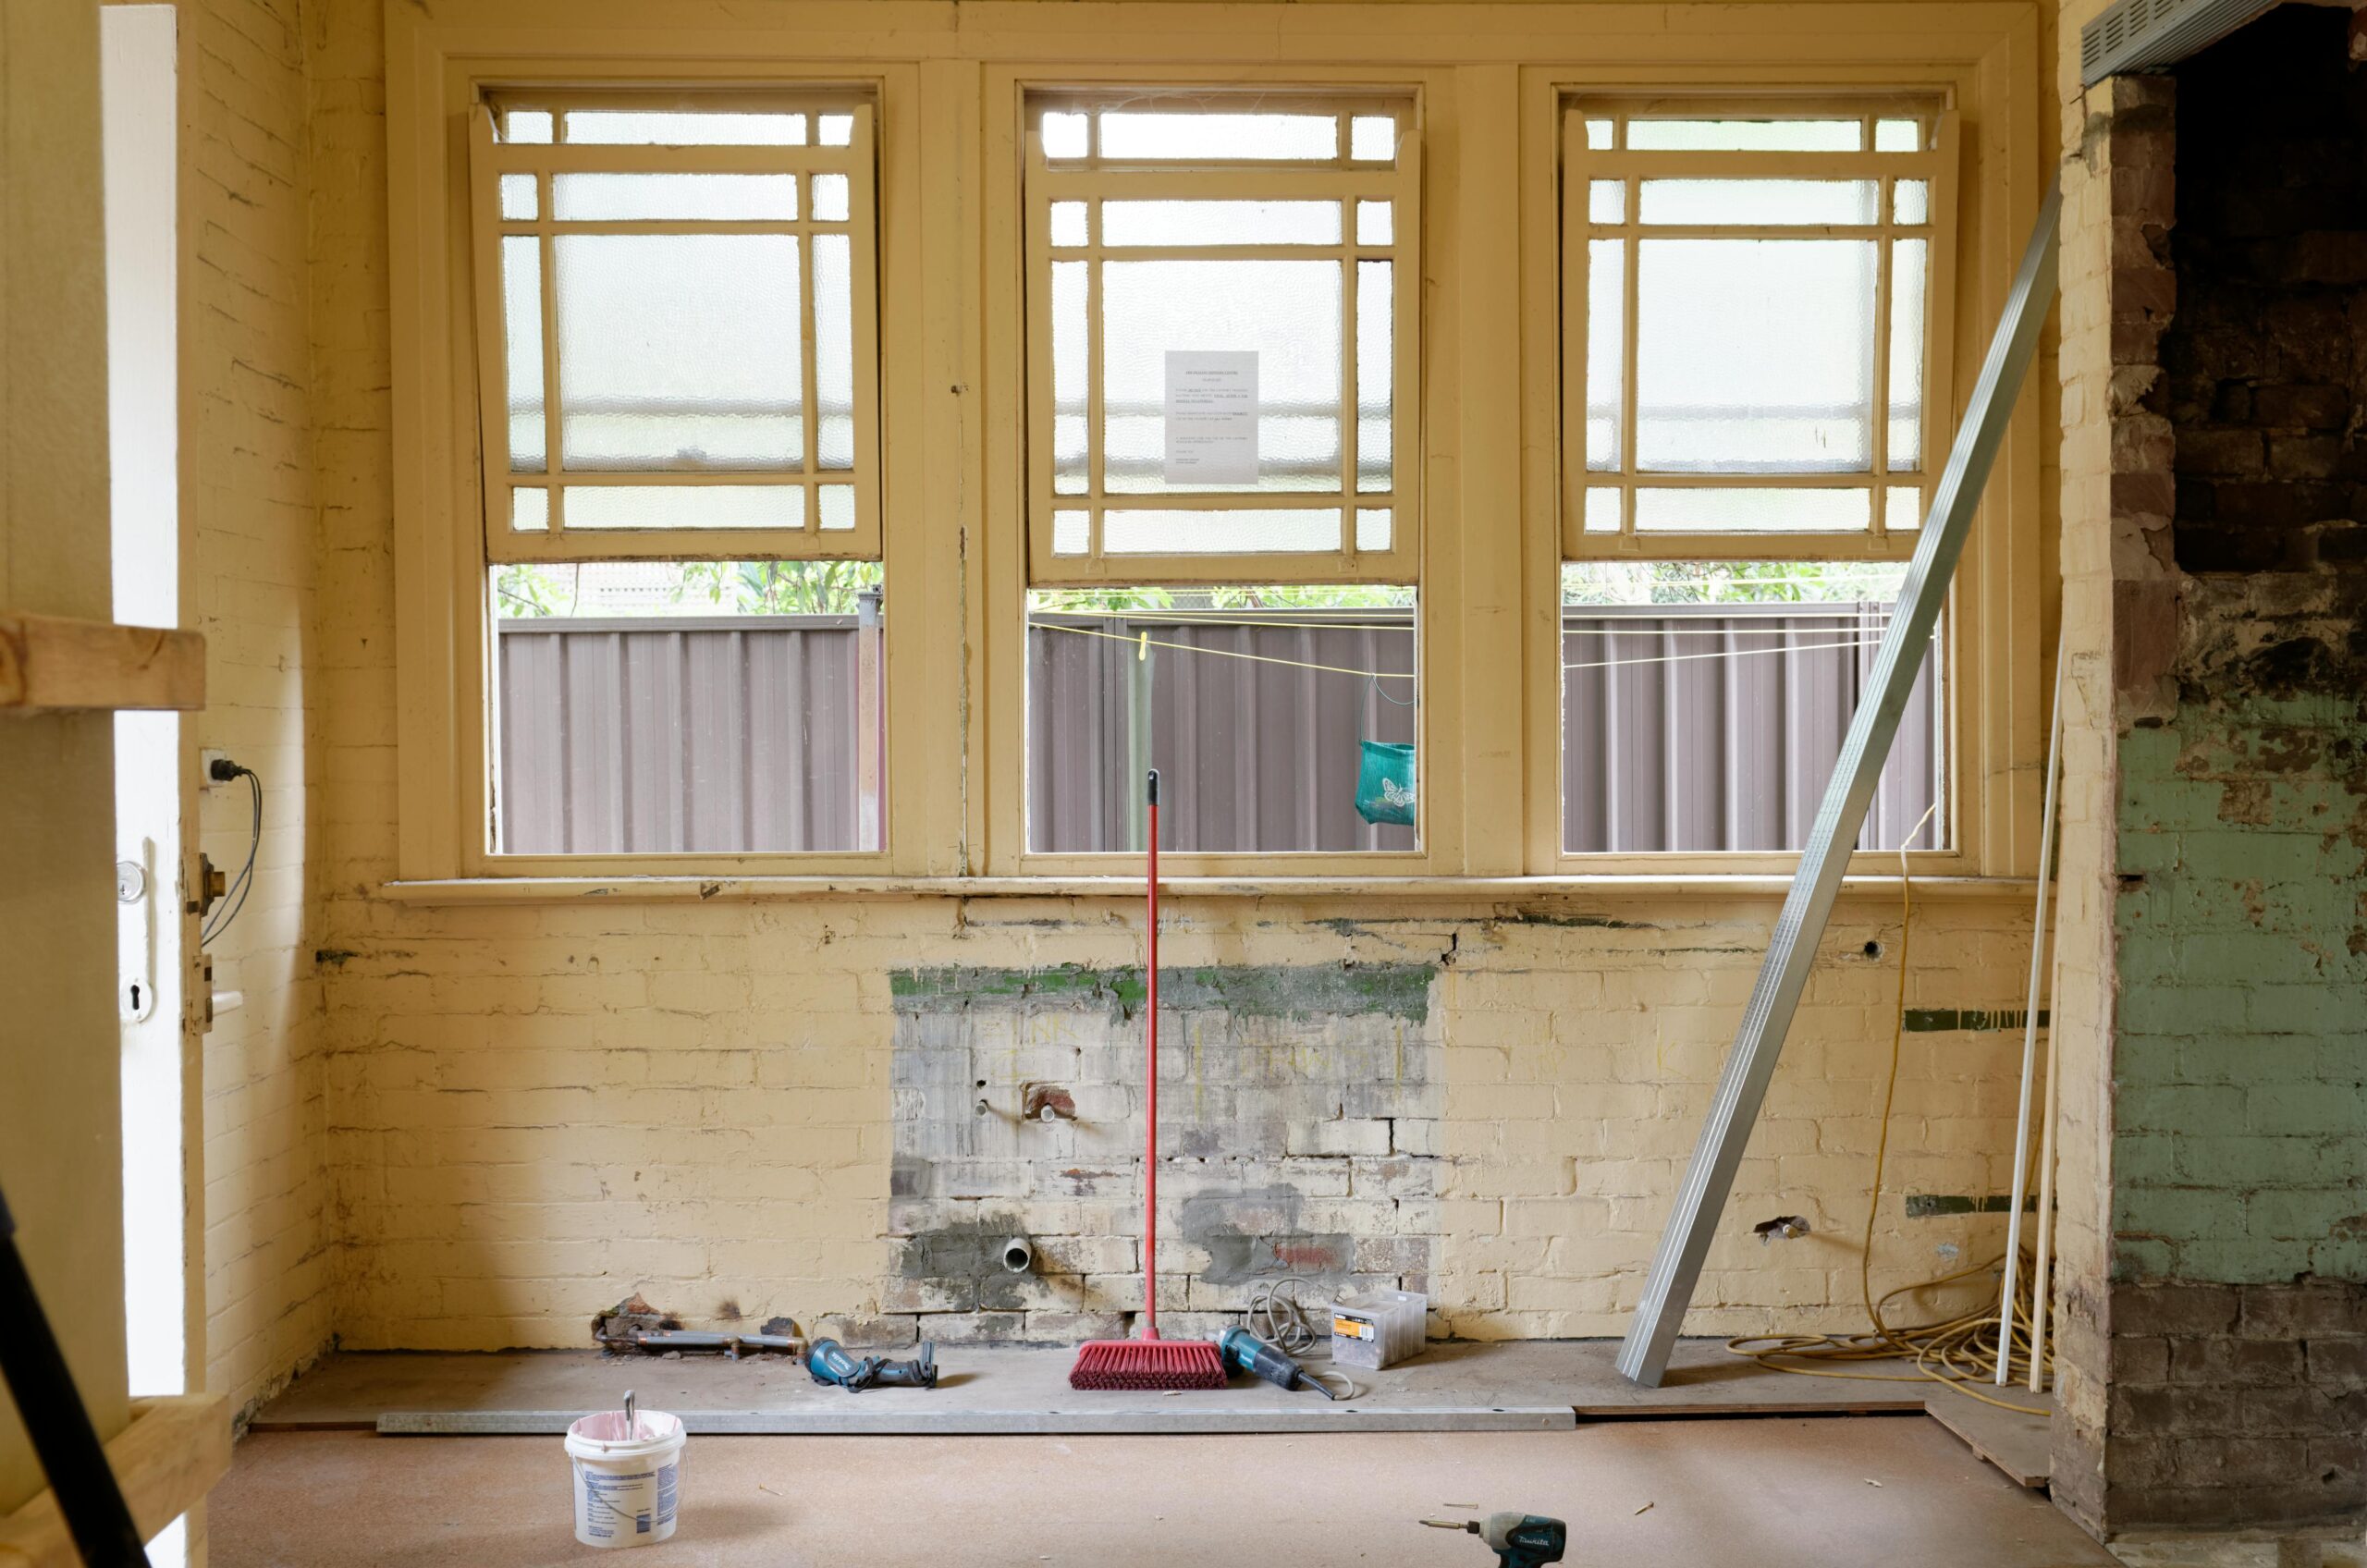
x,y
1774,1493
1525,1386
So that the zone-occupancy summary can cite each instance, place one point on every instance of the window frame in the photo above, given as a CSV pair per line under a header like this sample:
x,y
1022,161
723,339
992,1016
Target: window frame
x,y
1491,77
1984,622
1423,433
490,158
1583,165
1343,180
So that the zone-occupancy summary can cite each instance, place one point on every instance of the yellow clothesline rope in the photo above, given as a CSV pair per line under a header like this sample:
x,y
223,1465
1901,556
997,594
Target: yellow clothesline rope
x,y
1144,639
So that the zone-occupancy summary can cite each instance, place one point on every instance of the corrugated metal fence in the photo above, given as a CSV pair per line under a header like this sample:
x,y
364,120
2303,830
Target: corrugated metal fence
x,y
1685,727
635,735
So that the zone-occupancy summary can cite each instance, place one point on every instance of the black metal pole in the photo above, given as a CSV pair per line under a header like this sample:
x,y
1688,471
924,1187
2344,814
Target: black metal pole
x,y
63,1437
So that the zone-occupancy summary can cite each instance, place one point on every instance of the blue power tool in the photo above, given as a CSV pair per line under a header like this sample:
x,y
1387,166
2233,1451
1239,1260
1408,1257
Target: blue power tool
x,y
1241,1348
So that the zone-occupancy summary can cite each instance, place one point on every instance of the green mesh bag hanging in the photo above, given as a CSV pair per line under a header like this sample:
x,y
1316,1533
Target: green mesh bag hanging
x,y
1385,783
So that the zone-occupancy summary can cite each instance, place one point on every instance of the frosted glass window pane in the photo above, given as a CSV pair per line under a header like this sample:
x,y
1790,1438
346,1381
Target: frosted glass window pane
x,y
530,509
1908,260
1069,535
1373,528
836,130
1902,508
1151,134
835,504
830,198
520,200
1064,136
1599,135
522,317
1375,223
1372,138
685,506
1068,223
1287,312
681,350
1912,202
1219,533
526,125
1745,136
1607,201
610,198
672,128
1068,305
1761,201
1754,356
1606,342
1375,374
1219,222
834,349
1898,136
1603,510
1753,511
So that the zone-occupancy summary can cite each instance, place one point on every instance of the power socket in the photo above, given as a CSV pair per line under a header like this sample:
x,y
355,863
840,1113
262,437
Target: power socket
x,y
206,757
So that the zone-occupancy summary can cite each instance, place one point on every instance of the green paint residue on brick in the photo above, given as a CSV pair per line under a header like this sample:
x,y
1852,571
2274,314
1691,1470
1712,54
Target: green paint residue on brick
x,y
1942,1019
1399,990
2239,1059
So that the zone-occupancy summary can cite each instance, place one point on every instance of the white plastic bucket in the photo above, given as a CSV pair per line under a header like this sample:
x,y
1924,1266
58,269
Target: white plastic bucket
x,y
627,1483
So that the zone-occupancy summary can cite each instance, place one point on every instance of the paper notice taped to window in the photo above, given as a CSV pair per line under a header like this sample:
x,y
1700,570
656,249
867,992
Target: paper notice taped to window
x,y
1211,416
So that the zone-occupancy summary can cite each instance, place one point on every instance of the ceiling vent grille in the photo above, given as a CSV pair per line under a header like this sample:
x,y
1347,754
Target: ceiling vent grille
x,y
2146,35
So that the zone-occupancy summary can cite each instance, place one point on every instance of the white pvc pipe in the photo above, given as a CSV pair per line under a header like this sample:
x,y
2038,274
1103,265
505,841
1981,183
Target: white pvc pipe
x,y
2039,1283
2029,1038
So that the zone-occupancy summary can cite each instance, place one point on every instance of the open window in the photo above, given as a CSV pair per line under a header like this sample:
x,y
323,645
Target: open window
x,y
677,353
1755,316
1223,472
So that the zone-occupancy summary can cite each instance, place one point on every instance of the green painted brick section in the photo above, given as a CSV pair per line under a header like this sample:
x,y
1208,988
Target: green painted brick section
x,y
2177,1214
2266,1162
2239,1061
2184,1009
2302,1010
2331,1109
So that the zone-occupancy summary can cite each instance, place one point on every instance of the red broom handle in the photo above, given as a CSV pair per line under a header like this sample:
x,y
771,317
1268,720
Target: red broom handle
x,y
1150,1094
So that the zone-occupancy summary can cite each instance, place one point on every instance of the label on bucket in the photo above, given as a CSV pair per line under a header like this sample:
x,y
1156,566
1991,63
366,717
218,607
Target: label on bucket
x,y
1353,1328
621,1504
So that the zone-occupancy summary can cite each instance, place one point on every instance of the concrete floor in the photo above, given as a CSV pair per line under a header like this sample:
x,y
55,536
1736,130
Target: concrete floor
x,y
1768,1492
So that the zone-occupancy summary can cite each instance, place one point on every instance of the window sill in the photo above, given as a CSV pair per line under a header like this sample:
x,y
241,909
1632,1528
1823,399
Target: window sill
x,y
1363,889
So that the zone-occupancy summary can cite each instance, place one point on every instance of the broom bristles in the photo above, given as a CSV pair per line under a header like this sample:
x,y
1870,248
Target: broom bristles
x,y
1148,1364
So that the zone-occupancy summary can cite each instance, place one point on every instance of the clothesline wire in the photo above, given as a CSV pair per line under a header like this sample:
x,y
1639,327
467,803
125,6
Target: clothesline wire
x,y
1145,640
1585,625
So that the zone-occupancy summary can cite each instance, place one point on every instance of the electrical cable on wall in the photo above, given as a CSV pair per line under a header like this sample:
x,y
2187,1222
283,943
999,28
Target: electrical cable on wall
x,y
234,895
1956,1352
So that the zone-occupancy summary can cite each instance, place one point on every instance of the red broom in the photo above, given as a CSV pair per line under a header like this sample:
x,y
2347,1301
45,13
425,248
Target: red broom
x,y
1149,1362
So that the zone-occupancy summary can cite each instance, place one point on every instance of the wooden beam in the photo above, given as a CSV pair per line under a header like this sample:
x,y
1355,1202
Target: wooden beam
x,y
49,663
165,1461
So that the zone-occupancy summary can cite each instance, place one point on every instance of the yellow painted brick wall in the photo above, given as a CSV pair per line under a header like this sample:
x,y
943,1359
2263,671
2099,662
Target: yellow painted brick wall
x,y
538,1110
534,1111
250,559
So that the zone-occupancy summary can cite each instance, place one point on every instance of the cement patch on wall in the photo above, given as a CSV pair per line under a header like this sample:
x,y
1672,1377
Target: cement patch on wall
x,y
1298,1115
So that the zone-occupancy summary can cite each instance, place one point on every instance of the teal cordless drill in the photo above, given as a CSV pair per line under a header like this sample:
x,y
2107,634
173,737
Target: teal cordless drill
x,y
1519,1540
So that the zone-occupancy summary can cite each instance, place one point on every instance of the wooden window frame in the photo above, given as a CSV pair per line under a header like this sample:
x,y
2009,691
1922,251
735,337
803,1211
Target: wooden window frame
x,y
1344,180
1493,79
490,158
1937,164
